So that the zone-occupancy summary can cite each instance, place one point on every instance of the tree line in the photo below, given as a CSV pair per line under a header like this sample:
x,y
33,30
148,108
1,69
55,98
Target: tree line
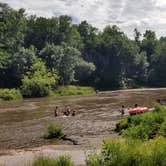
x,y
55,51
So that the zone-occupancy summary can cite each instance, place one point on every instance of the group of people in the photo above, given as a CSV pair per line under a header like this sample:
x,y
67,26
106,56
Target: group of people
x,y
66,112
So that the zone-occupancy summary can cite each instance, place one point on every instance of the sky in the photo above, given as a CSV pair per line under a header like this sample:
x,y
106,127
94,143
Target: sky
x,y
126,14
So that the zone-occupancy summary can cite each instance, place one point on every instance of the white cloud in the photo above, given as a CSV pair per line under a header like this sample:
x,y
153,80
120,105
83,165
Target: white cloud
x,y
127,14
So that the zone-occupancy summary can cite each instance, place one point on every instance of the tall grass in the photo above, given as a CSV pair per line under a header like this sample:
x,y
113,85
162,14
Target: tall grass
x,y
10,94
131,153
73,90
46,161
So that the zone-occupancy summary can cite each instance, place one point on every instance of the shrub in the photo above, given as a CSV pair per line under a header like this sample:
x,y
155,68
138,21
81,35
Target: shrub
x,y
44,161
136,132
163,129
94,160
39,81
123,124
64,161
144,126
60,161
73,90
54,131
10,94
131,153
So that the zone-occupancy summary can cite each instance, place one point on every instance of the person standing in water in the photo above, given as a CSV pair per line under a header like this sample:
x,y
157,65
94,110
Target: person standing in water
x,y
56,111
73,113
136,105
67,111
122,111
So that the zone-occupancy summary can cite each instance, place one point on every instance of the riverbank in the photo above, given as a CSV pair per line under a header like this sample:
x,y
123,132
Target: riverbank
x,y
22,157
16,94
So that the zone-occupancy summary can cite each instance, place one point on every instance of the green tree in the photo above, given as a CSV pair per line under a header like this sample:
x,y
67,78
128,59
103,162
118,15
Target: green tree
x,y
115,57
12,28
41,31
157,72
52,55
39,81
21,62
137,36
68,65
62,59
5,62
150,45
84,73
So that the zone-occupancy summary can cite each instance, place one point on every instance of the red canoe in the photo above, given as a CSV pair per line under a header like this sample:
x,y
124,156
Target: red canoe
x,y
138,110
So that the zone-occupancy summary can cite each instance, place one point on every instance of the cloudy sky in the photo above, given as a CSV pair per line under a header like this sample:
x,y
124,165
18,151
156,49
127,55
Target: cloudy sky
x,y
127,14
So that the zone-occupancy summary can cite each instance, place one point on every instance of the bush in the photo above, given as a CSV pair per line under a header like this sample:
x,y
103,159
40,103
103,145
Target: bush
x,y
123,124
54,131
131,153
144,126
10,94
39,81
60,161
163,129
73,90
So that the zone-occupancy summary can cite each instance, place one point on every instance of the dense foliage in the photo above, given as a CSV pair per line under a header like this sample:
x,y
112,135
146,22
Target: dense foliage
x,y
131,153
10,94
145,143
38,82
78,54
145,126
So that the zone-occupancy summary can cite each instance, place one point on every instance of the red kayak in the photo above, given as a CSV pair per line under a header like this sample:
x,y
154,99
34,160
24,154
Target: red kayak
x,y
138,110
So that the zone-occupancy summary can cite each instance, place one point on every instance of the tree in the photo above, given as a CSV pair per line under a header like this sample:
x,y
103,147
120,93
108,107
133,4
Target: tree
x,y
21,62
150,45
12,28
39,81
41,31
5,62
137,36
88,34
52,55
84,73
157,73
62,59
68,65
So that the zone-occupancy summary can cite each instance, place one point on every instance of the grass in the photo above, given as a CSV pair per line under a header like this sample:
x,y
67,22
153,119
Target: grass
x,y
54,131
46,161
131,153
10,94
73,90
145,126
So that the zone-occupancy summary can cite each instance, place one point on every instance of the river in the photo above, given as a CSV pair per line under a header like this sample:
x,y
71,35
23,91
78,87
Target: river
x,y
23,123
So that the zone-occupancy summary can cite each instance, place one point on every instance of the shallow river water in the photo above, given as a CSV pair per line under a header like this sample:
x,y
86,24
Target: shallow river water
x,y
23,123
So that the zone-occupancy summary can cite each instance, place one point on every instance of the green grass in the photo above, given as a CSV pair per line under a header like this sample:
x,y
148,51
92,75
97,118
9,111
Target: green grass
x,y
73,90
10,94
144,126
131,153
54,131
46,161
